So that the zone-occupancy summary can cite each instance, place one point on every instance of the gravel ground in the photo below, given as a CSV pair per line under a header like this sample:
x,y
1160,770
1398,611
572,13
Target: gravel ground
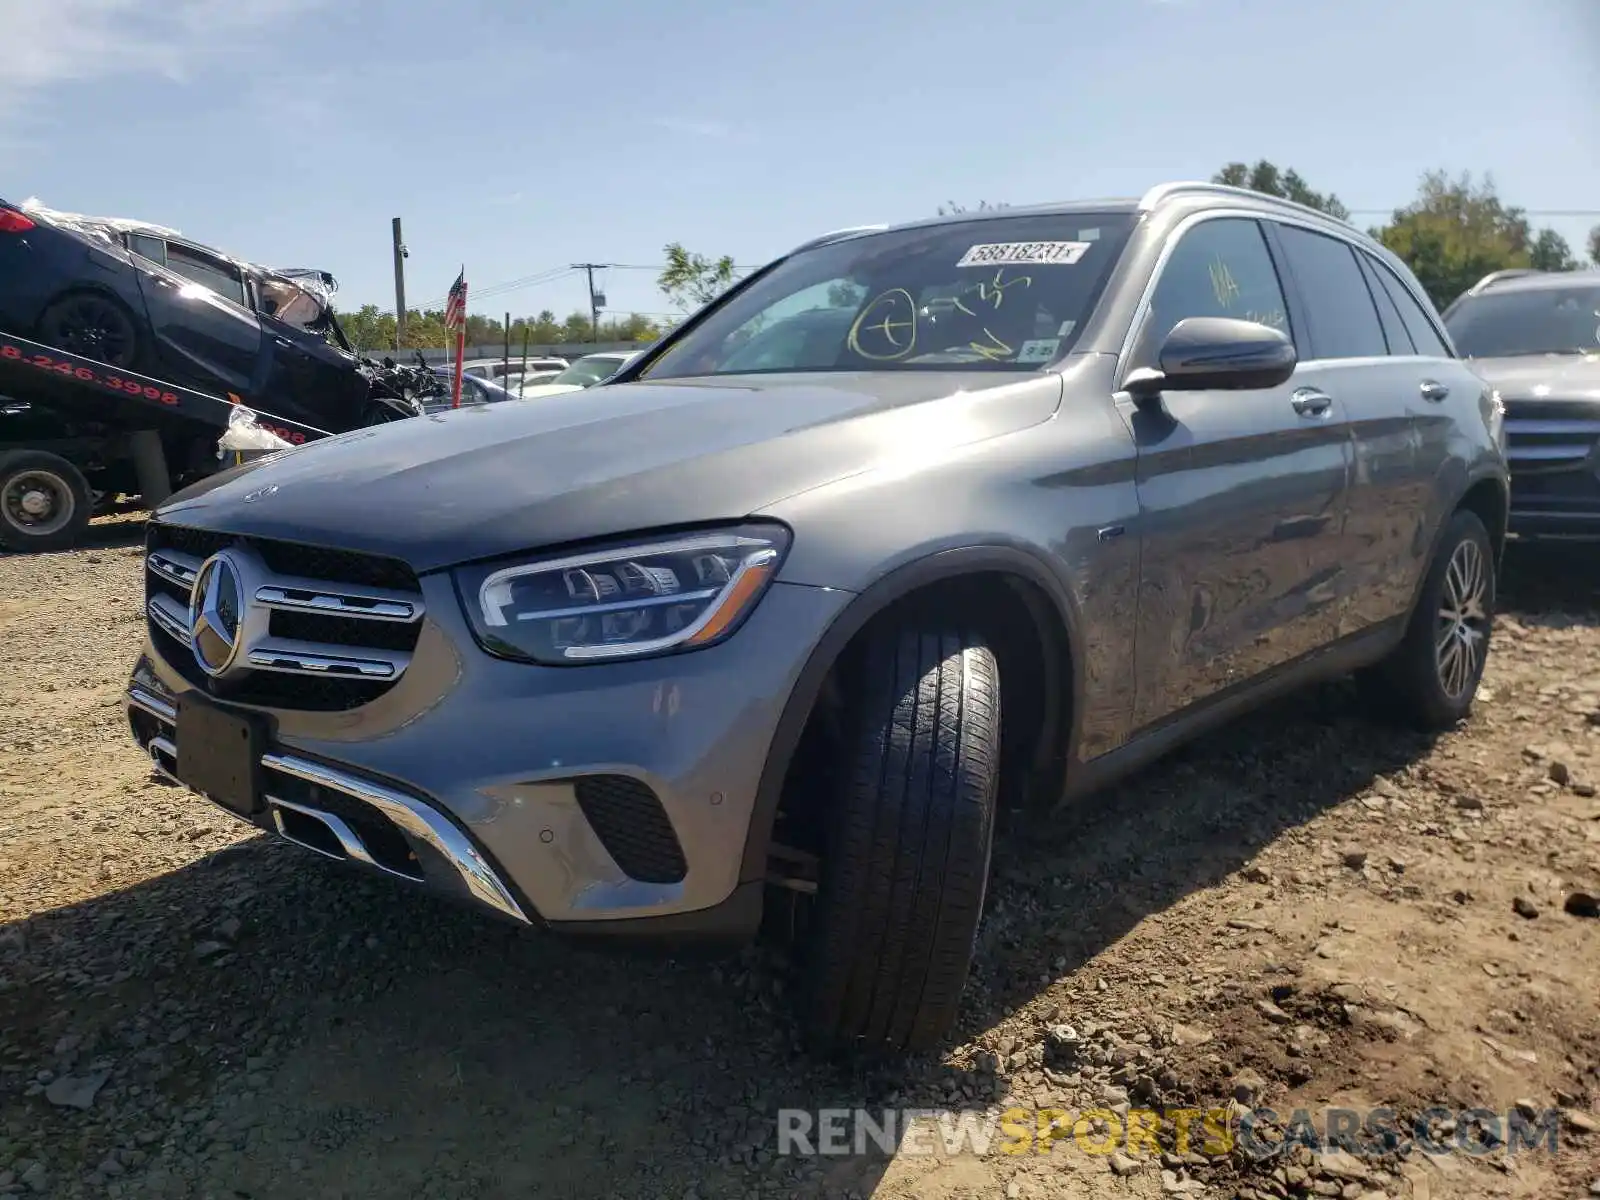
x,y
1305,910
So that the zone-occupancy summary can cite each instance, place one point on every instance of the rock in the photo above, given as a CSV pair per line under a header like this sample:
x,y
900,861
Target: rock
x,y
205,950
1248,1086
1526,1106
36,1178
1121,1164
1354,859
1273,1013
1190,1035
1582,904
1580,1121
1583,789
1560,773
76,1091
1469,804
1594,1184
1525,908
1337,1164
1013,1190
228,928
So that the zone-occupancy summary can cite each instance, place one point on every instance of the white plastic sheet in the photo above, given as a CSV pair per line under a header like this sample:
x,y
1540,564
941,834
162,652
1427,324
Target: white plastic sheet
x,y
245,436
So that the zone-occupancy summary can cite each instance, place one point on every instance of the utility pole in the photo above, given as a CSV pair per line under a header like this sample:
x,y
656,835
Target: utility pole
x,y
400,256
596,299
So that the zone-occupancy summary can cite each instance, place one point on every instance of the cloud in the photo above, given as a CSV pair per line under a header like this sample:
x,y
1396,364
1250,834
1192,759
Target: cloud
x,y
48,43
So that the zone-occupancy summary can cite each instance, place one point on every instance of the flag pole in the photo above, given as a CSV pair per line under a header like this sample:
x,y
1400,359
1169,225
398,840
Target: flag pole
x,y
461,343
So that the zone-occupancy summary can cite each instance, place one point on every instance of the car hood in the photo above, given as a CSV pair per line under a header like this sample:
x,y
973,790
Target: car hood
x,y
549,389
504,478
1542,376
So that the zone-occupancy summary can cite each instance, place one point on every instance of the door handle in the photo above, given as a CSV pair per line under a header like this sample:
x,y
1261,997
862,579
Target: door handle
x,y
1309,402
1433,390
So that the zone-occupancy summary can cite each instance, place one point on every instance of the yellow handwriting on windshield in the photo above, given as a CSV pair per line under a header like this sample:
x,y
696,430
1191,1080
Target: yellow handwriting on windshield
x,y
992,293
992,349
886,329
1223,285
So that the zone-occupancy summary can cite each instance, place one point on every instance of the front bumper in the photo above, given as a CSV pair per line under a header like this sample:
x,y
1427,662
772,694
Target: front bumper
x,y
497,782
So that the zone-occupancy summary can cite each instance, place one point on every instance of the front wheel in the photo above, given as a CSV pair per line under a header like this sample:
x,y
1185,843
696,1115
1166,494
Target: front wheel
x,y
905,867
45,503
1432,677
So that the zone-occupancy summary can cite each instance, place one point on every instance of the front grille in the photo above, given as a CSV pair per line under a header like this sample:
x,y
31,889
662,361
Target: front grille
x,y
1545,436
322,629
628,819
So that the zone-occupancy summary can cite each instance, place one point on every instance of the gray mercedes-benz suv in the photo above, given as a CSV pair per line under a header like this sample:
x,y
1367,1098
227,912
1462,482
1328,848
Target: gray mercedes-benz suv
x,y
1000,507
1534,336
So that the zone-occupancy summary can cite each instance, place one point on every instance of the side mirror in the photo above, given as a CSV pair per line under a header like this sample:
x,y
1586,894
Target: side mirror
x,y
1216,354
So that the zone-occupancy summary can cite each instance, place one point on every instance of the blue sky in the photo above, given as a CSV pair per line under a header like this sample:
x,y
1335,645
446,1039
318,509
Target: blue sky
x,y
519,138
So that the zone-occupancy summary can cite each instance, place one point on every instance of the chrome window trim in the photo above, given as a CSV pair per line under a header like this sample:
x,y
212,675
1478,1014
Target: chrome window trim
x,y
1141,312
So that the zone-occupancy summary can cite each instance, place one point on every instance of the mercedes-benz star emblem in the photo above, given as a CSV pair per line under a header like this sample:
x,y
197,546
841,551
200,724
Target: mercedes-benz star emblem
x,y
216,613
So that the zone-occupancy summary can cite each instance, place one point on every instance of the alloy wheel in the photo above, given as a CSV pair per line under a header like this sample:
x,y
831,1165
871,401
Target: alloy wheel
x,y
1462,641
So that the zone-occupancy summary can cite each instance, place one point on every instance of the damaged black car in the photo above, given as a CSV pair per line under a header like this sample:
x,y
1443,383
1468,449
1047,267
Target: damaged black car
x,y
146,299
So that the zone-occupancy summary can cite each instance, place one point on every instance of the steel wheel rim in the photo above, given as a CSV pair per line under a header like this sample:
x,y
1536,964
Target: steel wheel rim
x,y
1461,643
95,330
37,502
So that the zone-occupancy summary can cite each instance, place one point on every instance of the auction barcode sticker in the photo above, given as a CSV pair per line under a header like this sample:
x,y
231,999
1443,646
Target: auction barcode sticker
x,y
1052,254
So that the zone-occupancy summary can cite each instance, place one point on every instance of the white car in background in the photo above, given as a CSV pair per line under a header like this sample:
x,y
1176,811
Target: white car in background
x,y
497,368
586,372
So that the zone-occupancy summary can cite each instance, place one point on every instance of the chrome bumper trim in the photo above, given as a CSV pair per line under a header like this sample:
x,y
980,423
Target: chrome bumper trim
x,y
413,817
154,705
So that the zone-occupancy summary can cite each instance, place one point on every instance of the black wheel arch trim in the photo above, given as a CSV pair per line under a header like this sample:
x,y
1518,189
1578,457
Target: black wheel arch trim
x,y
901,581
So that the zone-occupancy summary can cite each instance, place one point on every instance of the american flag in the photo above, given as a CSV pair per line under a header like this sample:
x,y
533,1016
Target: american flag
x,y
455,306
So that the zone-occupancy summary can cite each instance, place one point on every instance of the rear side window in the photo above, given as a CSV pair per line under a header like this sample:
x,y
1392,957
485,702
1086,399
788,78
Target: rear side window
x,y
213,273
1344,322
153,248
1394,329
1423,335
1219,268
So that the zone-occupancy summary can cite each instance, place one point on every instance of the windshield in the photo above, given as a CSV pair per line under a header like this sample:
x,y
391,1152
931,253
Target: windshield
x,y
589,371
999,294
1546,320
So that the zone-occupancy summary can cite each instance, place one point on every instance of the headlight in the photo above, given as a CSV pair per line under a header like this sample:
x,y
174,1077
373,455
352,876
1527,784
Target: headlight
x,y
1494,416
654,596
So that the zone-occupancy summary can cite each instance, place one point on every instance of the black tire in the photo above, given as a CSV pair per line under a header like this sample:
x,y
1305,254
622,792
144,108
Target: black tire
x,y
93,325
1423,684
906,866
31,478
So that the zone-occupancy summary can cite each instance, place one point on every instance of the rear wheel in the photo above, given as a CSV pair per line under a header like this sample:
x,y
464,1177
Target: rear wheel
x,y
905,867
45,502
94,326
1432,677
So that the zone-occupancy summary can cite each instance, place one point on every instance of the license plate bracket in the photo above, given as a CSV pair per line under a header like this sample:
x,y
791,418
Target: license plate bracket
x,y
219,754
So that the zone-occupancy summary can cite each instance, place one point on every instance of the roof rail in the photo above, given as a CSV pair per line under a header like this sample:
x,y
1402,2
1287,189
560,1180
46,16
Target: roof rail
x,y
835,234
1494,277
1165,191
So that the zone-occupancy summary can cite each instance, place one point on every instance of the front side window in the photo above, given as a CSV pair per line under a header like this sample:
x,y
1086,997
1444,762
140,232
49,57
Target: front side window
x,y
209,272
1343,319
1219,268
997,294
1542,320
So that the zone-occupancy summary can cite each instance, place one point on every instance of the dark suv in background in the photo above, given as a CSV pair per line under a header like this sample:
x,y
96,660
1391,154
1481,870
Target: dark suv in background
x,y
1535,337
1018,501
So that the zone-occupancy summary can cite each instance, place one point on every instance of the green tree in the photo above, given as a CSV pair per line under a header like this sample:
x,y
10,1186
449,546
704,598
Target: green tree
x,y
1550,252
1455,232
691,281
1265,177
1594,245
951,209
